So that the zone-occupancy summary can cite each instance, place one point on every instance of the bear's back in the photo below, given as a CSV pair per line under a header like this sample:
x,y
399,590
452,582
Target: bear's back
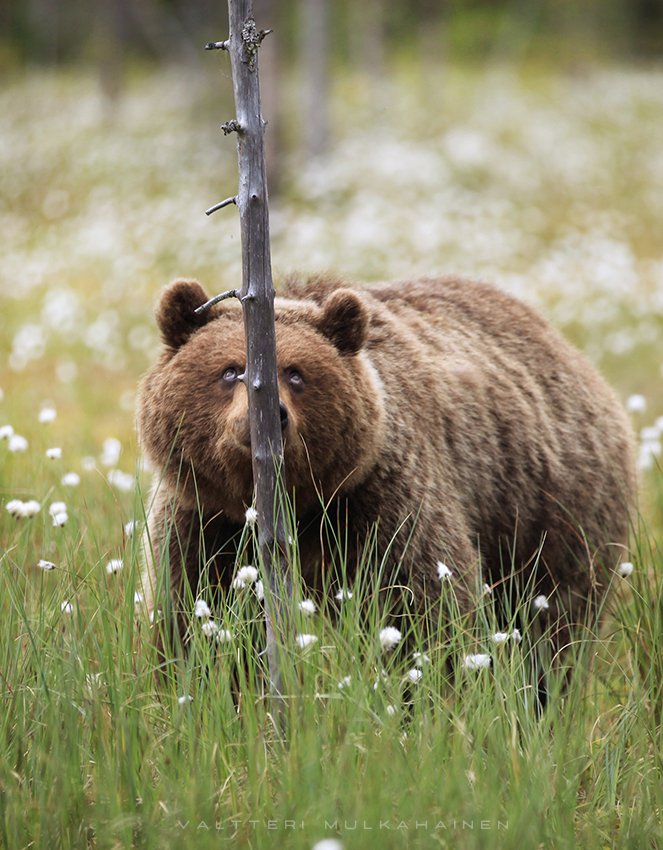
x,y
491,409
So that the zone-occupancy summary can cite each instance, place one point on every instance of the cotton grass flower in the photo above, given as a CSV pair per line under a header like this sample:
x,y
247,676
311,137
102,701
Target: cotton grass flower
x,y
343,594
46,566
303,640
344,683
414,675
60,519
111,451
516,637
115,565
6,431
540,603
636,403
54,454
625,569
420,658
130,527
390,637
185,699
23,510
478,661
443,572
138,598
15,507
209,628
259,590
328,844
71,479
122,481
201,610
16,443
307,606
251,516
224,636
31,508
245,576
47,415
66,607
391,710
500,637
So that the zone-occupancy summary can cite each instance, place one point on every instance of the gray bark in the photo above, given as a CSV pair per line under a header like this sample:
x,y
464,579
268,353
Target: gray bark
x,y
257,296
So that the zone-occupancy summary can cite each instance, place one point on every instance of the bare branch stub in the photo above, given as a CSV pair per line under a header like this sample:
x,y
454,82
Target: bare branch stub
x,y
232,126
216,45
221,205
231,293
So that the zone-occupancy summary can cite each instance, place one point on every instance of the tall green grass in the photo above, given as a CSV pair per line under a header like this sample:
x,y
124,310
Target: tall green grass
x,y
107,744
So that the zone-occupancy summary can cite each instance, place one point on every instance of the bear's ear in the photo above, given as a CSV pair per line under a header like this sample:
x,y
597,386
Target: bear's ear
x,y
345,320
175,313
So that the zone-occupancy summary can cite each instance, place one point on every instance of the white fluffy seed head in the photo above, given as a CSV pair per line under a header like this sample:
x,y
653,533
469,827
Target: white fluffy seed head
x,y
636,403
307,606
443,571
47,414
16,443
499,637
476,662
245,576
390,637
201,610
540,603
303,640
625,569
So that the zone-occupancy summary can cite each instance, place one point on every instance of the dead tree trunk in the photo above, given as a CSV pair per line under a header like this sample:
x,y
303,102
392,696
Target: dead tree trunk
x,y
257,298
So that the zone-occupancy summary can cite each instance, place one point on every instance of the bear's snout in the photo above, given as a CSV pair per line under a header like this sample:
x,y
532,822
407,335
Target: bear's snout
x,y
242,431
283,410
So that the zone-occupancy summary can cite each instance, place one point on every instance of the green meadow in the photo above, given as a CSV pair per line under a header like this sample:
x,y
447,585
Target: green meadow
x,y
549,185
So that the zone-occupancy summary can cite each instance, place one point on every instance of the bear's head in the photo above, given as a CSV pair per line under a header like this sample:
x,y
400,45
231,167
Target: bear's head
x,y
193,407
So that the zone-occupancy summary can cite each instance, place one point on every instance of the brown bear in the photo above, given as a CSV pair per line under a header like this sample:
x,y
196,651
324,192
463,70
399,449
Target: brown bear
x,y
443,412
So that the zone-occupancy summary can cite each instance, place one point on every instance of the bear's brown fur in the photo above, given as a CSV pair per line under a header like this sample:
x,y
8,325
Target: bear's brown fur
x,y
444,410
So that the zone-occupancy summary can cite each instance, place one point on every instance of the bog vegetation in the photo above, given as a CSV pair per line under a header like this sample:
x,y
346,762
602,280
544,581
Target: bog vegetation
x,y
549,185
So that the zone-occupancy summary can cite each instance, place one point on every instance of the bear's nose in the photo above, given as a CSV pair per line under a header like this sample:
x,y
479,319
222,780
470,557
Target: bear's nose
x,y
283,410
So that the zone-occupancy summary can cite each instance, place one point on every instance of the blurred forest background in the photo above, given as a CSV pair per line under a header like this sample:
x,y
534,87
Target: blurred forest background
x,y
317,36
52,32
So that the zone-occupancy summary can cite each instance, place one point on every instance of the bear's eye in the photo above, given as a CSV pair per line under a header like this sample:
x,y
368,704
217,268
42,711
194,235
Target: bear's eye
x,y
294,378
230,375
